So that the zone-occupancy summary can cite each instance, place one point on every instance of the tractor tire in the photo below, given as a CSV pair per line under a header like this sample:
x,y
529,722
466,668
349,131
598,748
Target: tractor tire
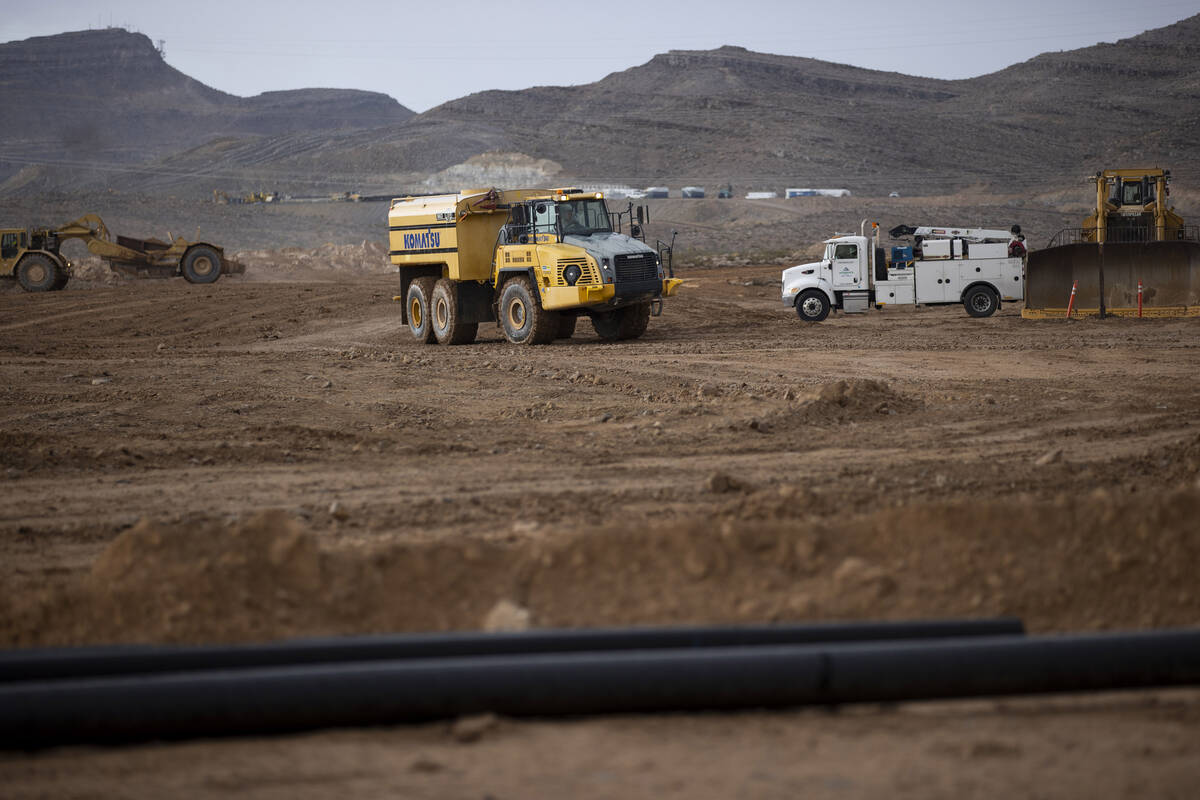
x,y
812,306
419,305
60,282
980,301
608,324
522,317
635,321
201,265
444,315
566,326
37,273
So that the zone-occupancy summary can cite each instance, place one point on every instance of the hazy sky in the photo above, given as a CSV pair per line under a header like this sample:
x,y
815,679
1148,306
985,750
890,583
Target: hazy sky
x,y
425,53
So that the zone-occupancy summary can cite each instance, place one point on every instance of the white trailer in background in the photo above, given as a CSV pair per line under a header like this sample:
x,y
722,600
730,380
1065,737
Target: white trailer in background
x,y
816,193
977,267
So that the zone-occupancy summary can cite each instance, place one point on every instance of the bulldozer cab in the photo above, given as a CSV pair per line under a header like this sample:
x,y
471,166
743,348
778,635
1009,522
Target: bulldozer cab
x,y
1125,192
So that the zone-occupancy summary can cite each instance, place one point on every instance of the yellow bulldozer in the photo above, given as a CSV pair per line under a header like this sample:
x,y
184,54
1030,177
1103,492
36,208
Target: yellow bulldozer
x,y
33,257
1133,255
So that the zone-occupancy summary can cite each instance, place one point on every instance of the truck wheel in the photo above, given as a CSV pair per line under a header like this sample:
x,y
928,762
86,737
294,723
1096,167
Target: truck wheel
x,y
608,324
37,273
980,301
812,306
566,326
60,282
523,320
635,321
444,315
419,308
201,265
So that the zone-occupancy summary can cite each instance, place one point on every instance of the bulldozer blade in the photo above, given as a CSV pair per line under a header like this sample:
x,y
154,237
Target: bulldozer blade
x,y
1169,273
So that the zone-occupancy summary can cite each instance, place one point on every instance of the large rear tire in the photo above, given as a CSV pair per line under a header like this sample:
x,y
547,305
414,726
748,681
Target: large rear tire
x,y
201,265
444,317
522,317
418,304
37,273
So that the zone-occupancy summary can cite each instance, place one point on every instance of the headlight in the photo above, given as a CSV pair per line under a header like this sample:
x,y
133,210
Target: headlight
x,y
572,274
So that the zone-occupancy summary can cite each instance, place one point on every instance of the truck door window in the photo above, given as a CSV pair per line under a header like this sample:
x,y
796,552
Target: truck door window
x,y
8,245
846,251
543,218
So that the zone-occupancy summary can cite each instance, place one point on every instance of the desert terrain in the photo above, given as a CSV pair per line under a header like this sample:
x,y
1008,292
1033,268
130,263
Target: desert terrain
x,y
274,456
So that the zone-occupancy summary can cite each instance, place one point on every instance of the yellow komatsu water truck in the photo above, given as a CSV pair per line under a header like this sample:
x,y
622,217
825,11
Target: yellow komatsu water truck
x,y
1133,239
531,260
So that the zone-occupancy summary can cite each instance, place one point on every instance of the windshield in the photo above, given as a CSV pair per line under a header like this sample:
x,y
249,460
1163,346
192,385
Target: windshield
x,y
583,217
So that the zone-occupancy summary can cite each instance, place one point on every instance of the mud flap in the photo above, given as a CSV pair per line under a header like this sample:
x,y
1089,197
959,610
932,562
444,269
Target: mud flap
x,y
1169,272
656,307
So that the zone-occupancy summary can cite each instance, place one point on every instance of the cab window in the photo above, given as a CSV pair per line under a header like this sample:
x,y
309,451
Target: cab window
x,y
543,217
8,245
846,251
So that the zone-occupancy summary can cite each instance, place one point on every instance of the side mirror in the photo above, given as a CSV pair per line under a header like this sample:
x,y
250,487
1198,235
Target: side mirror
x,y
640,210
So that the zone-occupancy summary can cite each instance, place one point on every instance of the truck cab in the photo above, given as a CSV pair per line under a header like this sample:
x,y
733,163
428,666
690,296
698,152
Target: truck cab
x,y
579,259
979,268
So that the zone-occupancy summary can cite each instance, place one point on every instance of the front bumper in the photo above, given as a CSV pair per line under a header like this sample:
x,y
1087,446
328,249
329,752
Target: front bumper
x,y
555,297
558,297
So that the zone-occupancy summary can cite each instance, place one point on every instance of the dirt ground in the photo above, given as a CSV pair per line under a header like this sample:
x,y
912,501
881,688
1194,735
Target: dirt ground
x,y
271,457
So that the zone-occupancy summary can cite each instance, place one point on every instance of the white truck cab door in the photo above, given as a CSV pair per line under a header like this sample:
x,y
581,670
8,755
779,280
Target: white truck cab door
x,y
849,265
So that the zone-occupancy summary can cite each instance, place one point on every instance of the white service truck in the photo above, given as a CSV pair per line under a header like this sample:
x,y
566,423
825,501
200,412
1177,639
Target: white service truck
x,y
977,267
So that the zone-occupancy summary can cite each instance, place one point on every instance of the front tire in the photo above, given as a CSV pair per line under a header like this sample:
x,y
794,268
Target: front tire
x,y
201,265
566,326
37,273
608,324
812,306
635,321
522,318
444,317
981,301
418,305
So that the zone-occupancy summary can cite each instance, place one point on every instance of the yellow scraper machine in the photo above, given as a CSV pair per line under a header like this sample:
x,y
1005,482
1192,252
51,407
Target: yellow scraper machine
x,y
1134,256
531,260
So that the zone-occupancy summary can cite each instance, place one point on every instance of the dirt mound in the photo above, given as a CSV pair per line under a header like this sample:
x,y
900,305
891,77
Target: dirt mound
x,y
1120,561
840,403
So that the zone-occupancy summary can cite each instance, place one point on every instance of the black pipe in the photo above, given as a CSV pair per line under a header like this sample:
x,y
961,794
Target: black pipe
x,y
257,701
46,664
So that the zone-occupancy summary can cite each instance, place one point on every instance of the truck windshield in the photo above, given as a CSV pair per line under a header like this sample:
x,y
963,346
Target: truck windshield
x,y
583,217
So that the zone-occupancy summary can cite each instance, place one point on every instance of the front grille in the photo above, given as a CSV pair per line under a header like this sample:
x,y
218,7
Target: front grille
x,y
636,267
588,275
637,274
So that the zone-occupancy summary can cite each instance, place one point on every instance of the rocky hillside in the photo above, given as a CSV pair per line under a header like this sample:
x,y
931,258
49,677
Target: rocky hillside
x,y
104,97
685,117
